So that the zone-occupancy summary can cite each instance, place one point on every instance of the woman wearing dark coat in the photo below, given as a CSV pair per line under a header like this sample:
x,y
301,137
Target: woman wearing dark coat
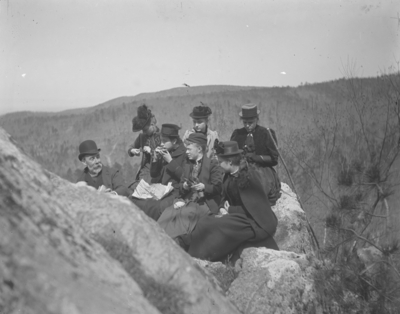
x,y
166,166
145,143
200,190
245,216
259,149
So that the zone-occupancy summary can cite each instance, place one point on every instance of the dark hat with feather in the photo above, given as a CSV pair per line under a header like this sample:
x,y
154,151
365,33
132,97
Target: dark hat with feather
x,y
143,117
200,112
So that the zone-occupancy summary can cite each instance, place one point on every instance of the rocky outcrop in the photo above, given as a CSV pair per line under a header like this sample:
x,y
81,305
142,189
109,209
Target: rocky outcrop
x,y
268,281
293,233
68,249
274,282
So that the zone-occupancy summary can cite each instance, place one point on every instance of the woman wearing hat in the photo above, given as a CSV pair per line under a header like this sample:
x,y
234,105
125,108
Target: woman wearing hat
x,y
166,166
145,143
259,149
245,217
200,189
200,117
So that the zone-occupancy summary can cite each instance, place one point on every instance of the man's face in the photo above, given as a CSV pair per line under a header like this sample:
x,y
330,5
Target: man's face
x,y
192,151
225,164
199,125
93,163
167,143
250,124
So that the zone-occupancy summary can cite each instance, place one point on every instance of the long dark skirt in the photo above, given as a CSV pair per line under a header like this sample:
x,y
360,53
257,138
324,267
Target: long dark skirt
x,y
182,221
214,238
270,182
154,208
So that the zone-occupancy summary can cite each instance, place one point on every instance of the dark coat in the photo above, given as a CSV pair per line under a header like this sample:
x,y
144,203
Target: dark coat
x,y
254,199
211,176
161,172
262,141
112,179
140,142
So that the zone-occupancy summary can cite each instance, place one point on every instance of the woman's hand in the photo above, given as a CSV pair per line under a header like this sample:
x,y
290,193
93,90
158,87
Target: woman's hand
x,y
186,186
147,149
179,203
222,212
198,187
135,151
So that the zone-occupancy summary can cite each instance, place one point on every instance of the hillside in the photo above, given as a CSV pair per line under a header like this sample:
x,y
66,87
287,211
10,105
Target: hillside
x,y
316,124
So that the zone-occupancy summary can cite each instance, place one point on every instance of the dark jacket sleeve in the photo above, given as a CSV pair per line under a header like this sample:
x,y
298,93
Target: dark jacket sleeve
x,y
272,150
136,144
266,151
214,187
234,134
156,168
118,183
185,175
175,168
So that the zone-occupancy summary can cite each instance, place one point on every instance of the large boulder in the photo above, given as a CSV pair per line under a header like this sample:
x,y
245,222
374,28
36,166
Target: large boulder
x,y
68,249
47,262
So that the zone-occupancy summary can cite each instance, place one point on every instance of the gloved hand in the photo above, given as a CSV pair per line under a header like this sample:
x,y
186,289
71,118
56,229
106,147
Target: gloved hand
x,y
253,157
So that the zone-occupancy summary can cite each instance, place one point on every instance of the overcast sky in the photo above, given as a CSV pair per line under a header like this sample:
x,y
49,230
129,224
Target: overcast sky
x,y
63,54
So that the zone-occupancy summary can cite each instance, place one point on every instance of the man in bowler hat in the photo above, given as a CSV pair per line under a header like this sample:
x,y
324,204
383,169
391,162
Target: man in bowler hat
x,y
96,174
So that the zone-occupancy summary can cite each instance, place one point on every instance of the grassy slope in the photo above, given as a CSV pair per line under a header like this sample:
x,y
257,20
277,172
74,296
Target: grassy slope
x,y
297,114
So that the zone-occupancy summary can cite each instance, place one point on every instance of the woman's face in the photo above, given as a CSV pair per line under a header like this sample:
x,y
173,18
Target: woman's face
x,y
200,125
149,129
249,124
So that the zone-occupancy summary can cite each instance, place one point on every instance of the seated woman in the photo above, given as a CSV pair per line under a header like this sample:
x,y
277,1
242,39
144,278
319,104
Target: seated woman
x,y
200,117
145,143
200,190
259,148
166,166
245,216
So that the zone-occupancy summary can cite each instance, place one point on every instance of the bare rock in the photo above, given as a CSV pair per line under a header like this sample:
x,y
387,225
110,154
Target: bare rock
x,y
47,263
293,233
52,265
274,282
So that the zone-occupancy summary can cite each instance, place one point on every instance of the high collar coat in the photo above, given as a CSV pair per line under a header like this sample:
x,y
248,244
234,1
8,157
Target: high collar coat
x,y
112,179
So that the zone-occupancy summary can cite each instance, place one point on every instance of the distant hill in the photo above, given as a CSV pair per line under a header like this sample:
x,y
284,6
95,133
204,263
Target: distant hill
x,y
297,115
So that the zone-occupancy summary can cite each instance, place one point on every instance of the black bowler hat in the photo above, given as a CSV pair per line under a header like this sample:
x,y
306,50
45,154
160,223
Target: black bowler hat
x,y
249,111
170,130
200,112
229,148
88,148
198,138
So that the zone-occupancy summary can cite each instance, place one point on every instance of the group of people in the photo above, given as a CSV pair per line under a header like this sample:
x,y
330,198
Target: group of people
x,y
222,190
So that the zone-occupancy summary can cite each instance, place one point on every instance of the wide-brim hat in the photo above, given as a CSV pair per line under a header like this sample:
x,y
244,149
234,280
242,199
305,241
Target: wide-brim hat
x,y
142,119
249,111
198,138
170,130
88,148
200,112
230,148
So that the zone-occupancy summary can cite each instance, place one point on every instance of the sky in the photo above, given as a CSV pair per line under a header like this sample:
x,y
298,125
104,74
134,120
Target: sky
x,y
58,55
